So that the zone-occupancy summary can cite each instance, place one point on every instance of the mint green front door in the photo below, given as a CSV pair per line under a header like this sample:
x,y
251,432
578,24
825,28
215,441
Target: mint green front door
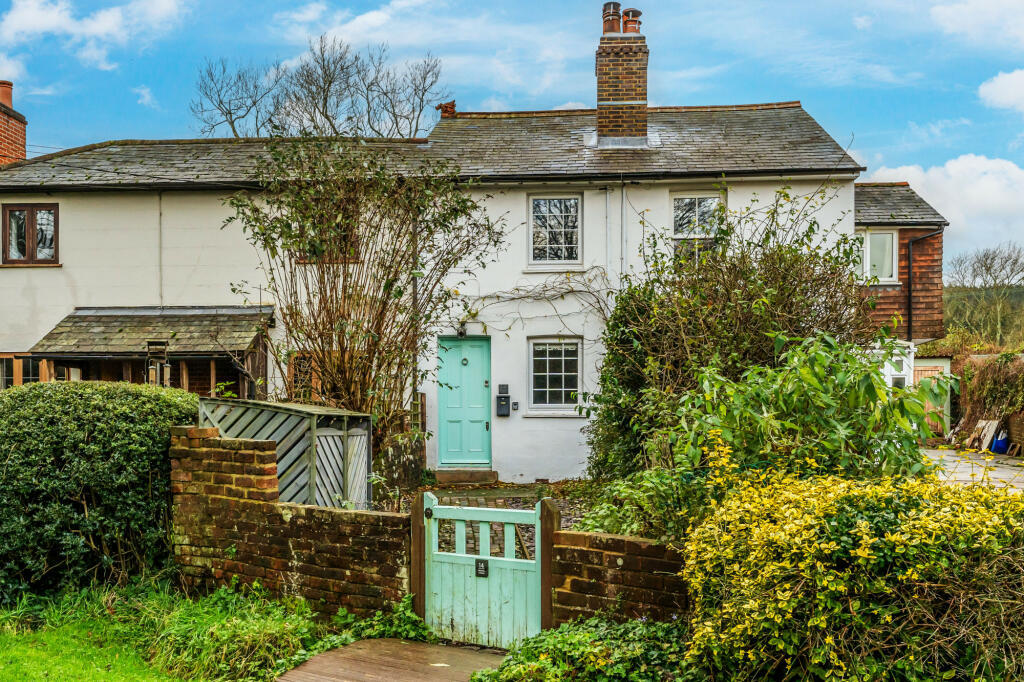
x,y
464,402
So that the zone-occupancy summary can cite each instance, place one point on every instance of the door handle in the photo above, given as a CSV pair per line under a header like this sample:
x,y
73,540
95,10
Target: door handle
x,y
487,426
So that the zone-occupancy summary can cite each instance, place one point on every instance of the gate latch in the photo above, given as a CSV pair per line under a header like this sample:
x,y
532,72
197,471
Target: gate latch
x,y
481,568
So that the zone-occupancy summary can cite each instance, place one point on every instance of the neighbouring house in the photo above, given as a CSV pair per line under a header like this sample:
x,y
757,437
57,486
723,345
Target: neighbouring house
x,y
129,234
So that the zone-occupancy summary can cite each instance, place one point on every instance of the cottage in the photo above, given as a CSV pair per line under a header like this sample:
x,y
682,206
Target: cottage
x,y
115,263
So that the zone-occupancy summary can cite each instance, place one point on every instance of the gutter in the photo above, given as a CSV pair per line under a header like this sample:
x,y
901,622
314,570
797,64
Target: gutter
x,y
242,184
910,281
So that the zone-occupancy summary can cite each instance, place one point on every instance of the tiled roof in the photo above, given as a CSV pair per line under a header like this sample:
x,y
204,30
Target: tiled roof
x,y
223,163
684,141
127,331
893,203
775,139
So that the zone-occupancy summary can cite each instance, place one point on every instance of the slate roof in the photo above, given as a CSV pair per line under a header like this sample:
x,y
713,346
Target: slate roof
x,y
773,139
763,139
127,331
893,203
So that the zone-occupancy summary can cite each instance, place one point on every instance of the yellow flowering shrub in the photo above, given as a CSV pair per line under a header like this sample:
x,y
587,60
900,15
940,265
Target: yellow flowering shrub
x,y
837,579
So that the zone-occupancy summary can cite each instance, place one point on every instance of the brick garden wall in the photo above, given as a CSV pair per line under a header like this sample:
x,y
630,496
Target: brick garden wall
x,y
227,522
630,577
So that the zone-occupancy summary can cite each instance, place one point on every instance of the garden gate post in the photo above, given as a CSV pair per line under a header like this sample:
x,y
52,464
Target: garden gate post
x,y
550,521
417,575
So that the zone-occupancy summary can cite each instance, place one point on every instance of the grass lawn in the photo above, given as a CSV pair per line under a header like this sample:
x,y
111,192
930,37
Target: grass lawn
x,y
78,651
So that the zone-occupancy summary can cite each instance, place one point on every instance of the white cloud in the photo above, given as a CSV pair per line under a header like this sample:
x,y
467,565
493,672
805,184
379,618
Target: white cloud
x,y
981,198
89,36
44,91
1005,91
11,68
146,97
863,22
494,104
935,132
821,53
479,47
986,22
571,105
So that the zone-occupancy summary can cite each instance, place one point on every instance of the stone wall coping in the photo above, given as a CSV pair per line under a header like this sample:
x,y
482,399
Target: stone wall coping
x,y
573,537
339,511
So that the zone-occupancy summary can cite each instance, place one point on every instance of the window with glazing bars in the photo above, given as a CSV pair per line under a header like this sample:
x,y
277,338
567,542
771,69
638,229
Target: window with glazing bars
x,y
555,373
6,373
692,219
29,371
555,230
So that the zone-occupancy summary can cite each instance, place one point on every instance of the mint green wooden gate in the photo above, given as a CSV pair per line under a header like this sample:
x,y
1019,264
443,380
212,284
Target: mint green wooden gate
x,y
474,596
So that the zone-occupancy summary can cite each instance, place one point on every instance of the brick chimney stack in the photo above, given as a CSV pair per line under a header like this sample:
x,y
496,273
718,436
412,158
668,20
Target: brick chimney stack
x,y
621,79
12,127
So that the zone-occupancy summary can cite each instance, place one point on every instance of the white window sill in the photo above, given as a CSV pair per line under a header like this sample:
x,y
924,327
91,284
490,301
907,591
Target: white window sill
x,y
553,414
555,267
888,283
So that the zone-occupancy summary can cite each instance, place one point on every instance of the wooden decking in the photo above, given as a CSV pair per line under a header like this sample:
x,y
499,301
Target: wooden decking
x,y
394,660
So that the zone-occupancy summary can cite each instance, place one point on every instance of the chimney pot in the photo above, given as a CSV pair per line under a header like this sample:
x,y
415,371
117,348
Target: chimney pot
x,y
7,94
631,20
612,18
447,109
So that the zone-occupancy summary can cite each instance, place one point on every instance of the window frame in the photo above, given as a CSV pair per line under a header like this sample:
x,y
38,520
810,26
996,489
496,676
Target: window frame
x,y
696,195
7,380
865,235
554,265
563,410
27,377
30,234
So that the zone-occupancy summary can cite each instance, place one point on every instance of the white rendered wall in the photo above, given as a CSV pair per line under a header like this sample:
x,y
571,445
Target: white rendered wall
x,y
146,248
526,446
110,255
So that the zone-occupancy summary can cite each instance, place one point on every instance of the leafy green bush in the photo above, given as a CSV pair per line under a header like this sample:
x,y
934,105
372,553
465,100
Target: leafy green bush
x,y
84,482
993,388
235,633
773,269
601,651
830,578
823,409
400,622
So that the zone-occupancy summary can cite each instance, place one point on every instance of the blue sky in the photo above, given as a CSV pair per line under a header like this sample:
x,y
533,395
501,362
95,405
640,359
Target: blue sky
x,y
930,91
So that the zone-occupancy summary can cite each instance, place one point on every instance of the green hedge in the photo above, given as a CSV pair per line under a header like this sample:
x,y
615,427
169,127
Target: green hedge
x,y
84,482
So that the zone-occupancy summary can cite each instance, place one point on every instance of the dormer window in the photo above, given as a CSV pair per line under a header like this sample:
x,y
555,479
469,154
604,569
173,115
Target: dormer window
x,y
30,234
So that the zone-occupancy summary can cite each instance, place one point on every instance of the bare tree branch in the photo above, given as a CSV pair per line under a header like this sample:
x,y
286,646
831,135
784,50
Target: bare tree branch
x,y
982,288
331,91
237,97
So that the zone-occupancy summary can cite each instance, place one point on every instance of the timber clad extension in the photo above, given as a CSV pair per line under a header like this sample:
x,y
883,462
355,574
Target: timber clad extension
x,y
915,299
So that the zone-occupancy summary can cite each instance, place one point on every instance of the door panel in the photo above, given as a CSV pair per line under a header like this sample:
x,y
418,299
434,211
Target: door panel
x,y
497,606
464,400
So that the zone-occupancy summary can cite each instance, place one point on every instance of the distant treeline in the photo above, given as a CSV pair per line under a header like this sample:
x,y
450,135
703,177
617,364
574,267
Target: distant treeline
x,y
995,319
